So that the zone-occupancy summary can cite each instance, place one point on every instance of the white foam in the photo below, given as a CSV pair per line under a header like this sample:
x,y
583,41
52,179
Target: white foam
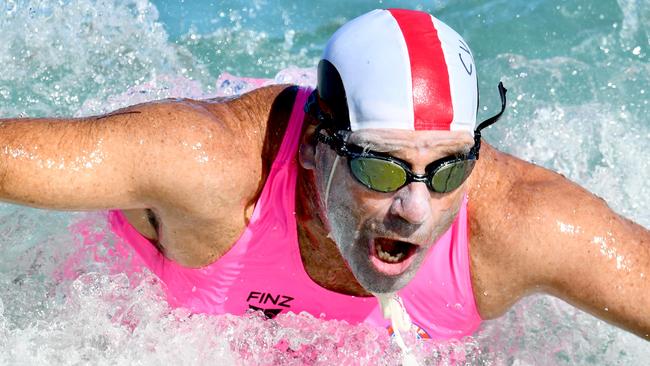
x,y
393,309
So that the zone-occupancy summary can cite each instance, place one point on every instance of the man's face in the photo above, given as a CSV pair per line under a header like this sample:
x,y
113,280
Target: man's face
x,y
384,237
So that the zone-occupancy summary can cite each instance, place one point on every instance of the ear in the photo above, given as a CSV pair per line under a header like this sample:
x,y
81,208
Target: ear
x,y
307,148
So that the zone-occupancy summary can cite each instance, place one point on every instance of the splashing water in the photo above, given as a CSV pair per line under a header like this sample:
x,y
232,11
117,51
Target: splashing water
x,y
393,309
579,76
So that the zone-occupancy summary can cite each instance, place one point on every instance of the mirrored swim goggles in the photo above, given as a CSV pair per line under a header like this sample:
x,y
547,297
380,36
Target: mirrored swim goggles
x,y
384,173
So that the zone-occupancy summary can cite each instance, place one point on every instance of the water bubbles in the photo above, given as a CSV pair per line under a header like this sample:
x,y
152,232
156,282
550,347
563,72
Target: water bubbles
x,y
636,51
569,228
70,44
288,39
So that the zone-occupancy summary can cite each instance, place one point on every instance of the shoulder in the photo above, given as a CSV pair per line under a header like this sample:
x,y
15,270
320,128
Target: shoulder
x,y
245,114
507,191
225,146
213,147
254,111
515,208
495,190
230,128
211,159
506,200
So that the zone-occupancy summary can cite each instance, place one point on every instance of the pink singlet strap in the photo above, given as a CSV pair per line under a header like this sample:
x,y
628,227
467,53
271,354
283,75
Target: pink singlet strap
x,y
291,139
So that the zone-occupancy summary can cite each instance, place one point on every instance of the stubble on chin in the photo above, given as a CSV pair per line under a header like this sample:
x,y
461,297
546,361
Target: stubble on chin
x,y
355,249
352,240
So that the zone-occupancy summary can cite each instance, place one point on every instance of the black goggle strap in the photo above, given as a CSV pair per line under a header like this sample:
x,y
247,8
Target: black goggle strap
x,y
312,108
324,123
331,139
490,121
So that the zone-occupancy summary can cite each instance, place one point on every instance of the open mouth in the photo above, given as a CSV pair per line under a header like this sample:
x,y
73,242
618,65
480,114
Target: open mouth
x,y
390,256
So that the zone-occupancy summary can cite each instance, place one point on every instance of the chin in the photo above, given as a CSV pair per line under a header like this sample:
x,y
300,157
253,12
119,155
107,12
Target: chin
x,y
357,242
377,282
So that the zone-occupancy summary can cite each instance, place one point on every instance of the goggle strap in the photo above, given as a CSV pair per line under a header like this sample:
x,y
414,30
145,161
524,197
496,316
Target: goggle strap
x,y
488,122
311,107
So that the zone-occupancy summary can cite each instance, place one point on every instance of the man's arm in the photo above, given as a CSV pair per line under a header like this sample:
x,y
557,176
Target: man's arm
x,y
110,161
548,234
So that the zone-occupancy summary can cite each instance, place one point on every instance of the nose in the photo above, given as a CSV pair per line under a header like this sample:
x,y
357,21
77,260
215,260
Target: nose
x,y
412,203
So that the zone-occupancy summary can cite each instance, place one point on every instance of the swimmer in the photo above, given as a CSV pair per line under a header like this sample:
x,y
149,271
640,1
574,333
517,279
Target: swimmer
x,y
377,182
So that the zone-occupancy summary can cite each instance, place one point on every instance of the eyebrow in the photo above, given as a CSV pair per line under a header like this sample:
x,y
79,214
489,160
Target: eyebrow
x,y
378,147
368,144
456,149
387,147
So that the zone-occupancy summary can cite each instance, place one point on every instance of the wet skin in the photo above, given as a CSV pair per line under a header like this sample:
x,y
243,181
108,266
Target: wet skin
x,y
187,174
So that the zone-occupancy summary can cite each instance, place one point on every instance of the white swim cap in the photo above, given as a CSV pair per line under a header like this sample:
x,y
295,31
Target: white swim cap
x,y
401,69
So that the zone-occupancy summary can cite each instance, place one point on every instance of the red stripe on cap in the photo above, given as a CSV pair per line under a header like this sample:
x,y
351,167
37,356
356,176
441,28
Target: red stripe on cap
x,y
432,106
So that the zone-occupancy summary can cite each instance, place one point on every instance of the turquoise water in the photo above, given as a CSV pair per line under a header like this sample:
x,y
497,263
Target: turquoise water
x,y
578,79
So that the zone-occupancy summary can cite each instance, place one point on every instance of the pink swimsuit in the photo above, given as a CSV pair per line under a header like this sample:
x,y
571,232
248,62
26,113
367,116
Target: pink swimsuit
x,y
264,270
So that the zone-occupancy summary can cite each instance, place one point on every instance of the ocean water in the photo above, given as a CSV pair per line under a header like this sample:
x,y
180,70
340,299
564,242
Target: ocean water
x,y
578,77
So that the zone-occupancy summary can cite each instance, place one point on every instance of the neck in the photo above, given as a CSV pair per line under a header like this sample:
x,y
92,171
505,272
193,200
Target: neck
x,y
320,256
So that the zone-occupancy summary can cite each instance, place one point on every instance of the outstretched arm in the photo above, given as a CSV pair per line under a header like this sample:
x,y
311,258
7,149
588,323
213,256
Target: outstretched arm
x,y
555,236
110,161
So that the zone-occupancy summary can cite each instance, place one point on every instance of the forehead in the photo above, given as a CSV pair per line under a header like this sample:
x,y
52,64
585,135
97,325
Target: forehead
x,y
388,140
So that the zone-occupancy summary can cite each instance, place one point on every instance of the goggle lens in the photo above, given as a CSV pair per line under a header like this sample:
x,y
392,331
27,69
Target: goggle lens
x,y
451,176
377,174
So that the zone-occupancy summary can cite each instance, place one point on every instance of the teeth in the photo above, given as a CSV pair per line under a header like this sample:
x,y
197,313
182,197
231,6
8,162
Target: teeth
x,y
387,257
